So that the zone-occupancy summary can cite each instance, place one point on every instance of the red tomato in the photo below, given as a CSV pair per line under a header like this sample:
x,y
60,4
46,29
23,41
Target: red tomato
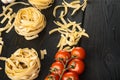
x,y
70,76
76,65
62,55
78,52
57,68
52,77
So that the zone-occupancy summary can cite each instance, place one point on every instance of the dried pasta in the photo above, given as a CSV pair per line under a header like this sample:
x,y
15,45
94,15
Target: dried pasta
x,y
75,4
43,53
71,33
10,15
7,15
24,64
29,22
1,45
41,4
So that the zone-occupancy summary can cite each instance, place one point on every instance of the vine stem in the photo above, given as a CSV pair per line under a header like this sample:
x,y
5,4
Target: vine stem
x,y
65,67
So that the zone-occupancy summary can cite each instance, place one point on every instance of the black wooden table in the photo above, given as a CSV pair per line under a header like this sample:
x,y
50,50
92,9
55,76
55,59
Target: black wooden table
x,y
101,20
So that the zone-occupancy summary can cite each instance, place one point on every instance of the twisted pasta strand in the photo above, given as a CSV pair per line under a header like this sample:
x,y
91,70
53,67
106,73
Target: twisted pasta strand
x,y
23,64
41,4
29,22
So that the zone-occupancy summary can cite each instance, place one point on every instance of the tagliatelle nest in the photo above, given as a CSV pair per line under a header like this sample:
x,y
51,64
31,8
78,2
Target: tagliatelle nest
x,y
29,22
24,64
41,4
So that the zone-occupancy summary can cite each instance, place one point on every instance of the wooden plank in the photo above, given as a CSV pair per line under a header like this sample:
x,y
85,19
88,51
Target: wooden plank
x,y
102,21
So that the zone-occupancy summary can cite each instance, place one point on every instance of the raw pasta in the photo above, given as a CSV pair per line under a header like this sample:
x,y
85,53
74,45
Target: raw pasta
x,y
41,4
29,22
75,5
1,44
8,13
24,64
71,32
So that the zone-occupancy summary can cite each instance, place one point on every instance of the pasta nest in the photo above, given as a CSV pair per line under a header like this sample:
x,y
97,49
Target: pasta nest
x,y
24,64
29,22
41,4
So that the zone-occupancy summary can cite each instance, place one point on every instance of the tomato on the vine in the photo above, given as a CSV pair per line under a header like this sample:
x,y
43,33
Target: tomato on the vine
x,y
62,55
78,52
70,76
67,66
52,77
76,65
57,68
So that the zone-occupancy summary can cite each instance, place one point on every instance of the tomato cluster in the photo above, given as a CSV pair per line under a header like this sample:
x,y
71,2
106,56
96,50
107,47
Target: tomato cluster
x,y
67,65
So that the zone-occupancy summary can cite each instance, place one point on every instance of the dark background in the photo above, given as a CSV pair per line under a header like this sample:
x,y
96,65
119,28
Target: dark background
x,y
101,20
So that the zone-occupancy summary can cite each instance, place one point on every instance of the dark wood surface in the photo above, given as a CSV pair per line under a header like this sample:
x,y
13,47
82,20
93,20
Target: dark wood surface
x,y
101,20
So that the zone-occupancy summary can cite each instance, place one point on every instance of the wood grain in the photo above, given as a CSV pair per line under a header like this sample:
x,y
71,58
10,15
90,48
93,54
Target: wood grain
x,y
101,20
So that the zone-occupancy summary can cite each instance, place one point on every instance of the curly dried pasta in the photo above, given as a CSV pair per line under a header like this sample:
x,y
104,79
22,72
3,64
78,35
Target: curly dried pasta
x,y
29,22
71,32
24,64
41,4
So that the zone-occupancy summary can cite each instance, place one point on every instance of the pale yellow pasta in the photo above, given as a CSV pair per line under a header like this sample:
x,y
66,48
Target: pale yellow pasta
x,y
43,53
8,16
71,32
29,22
41,4
60,6
1,45
24,64
75,5
7,13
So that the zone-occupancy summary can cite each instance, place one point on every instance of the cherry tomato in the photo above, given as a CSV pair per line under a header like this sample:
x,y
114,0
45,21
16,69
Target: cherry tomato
x,y
62,55
52,77
57,68
78,52
76,65
70,76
